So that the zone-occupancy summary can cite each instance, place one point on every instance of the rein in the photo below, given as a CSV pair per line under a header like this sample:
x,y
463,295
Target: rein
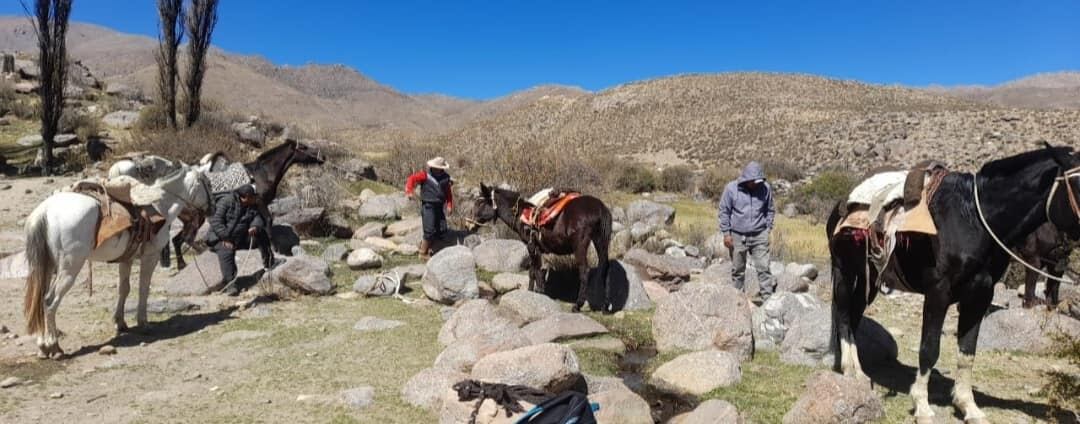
x,y
982,218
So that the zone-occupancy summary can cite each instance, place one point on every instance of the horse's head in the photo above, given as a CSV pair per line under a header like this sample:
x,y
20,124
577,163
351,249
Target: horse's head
x,y
484,209
306,155
1063,206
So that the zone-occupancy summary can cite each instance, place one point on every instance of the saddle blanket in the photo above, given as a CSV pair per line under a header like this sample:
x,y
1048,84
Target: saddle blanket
x,y
877,200
541,214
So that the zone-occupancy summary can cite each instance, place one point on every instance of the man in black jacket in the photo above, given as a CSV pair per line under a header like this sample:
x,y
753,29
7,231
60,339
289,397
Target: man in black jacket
x,y
235,224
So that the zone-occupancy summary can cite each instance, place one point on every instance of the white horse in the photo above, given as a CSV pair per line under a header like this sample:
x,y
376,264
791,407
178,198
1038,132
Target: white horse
x,y
60,239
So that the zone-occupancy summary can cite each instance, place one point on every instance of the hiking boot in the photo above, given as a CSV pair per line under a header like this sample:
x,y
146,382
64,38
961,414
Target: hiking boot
x,y
425,250
231,290
274,264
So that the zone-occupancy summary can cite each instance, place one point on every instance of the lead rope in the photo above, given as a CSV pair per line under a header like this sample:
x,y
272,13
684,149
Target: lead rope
x,y
982,218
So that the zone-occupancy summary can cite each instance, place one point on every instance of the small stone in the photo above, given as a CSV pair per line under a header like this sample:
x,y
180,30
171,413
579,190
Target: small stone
x,y
56,395
359,398
107,350
214,389
347,295
10,382
4,329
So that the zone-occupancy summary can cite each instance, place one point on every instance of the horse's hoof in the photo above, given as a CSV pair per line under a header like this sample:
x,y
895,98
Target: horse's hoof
x,y
924,420
978,420
576,309
180,267
122,328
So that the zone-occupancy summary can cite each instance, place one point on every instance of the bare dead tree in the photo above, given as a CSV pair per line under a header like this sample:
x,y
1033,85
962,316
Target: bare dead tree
x,y
171,32
50,22
202,17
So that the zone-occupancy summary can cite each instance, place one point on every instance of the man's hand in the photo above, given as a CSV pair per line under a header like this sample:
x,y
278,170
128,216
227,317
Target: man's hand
x,y
409,195
728,242
228,245
449,210
252,231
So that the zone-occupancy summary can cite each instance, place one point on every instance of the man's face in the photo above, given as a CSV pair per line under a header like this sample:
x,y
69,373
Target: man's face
x,y
247,200
436,171
752,185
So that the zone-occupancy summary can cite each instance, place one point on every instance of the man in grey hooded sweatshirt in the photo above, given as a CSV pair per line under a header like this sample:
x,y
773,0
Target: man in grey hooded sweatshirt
x,y
746,219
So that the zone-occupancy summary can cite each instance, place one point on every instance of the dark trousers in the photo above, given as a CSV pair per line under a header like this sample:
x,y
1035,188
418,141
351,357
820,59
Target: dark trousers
x,y
227,257
433,216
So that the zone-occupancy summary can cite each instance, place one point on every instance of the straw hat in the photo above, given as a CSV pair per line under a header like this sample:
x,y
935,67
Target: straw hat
x,y
438,163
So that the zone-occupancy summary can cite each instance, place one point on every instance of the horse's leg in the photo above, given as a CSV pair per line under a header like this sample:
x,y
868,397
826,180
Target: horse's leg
x,y
971,308
146,271
935,305
50,343
165,257
848,305
121,298
178,245
603,266
581,256
1030,279
536,276
1052,288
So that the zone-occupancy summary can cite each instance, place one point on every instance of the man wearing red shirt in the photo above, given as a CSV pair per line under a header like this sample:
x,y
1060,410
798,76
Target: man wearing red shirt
x,y
436,200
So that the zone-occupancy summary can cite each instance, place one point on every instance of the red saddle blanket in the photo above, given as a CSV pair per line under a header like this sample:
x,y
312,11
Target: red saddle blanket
x,y
548,212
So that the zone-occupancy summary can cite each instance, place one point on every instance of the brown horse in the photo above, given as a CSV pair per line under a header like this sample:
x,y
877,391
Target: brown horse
x,y
584,220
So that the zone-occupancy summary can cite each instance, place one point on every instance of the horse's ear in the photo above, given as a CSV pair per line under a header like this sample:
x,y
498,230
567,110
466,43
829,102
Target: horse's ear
x,y
1061,156
484,189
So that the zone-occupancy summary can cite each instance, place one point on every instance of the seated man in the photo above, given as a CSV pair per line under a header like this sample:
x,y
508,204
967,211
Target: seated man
x,y
236,224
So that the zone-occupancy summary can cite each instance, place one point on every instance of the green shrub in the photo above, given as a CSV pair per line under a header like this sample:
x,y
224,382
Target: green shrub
x,y
784,170
210,134
85,126
634,178
677,179
715,179
819,196
152,118
405,158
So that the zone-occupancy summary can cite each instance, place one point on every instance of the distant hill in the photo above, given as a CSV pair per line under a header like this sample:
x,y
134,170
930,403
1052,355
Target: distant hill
x,y
1059,90
728,119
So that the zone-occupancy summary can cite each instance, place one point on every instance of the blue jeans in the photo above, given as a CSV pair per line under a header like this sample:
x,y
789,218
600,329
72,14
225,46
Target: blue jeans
x,y
757,247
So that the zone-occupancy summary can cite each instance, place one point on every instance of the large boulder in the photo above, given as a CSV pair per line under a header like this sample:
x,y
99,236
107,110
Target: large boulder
x,y
404,227
476,318
621,406
530,306
463,353
562,326
507,282
451,276
364,258
304,274
1024,330
122,119
14,266
697,373
249,133
833,398
501,255
358,169
335,252
626,286
383,206
807,340
650,213
662,266
714,247
374,286
711,411
425,389
773,319
549,366
371,229
308,222
191,282
704,316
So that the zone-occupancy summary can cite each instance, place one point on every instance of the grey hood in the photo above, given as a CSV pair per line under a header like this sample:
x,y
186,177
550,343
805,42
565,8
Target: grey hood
x,y
753,171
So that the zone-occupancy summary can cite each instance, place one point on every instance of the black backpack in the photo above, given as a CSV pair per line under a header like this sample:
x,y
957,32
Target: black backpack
x,y
567,408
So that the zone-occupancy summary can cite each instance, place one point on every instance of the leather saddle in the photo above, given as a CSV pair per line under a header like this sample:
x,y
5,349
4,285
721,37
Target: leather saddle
x,y
119,214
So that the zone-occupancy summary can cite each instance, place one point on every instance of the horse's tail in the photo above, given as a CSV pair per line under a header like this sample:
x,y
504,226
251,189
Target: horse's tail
x,y
42,266
602,243
834,321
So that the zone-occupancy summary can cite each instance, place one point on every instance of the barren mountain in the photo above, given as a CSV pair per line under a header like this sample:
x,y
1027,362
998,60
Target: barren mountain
x,y
1059,90
730,118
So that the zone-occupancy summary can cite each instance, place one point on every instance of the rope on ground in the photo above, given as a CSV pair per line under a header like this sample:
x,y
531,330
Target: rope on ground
x,y
384,281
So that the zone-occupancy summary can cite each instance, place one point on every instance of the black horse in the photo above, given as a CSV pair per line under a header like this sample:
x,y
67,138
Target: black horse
x,y
584,220
1046,249
960,265
266,172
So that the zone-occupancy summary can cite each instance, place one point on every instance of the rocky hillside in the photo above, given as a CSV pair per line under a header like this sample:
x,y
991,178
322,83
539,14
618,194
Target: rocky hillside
x,y
1059,90
731,118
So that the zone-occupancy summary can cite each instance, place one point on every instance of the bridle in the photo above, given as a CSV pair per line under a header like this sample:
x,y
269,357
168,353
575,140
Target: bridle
x,y
494,207
1065,176
204,183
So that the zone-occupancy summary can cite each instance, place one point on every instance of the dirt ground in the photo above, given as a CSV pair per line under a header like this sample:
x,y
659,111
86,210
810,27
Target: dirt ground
x,y
288,360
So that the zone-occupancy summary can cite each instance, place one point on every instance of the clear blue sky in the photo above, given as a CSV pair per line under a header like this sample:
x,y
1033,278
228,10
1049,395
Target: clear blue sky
x,y
487,49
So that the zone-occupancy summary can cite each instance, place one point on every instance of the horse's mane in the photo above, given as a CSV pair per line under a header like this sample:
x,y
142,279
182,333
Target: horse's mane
x,y
1012,164
275,149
